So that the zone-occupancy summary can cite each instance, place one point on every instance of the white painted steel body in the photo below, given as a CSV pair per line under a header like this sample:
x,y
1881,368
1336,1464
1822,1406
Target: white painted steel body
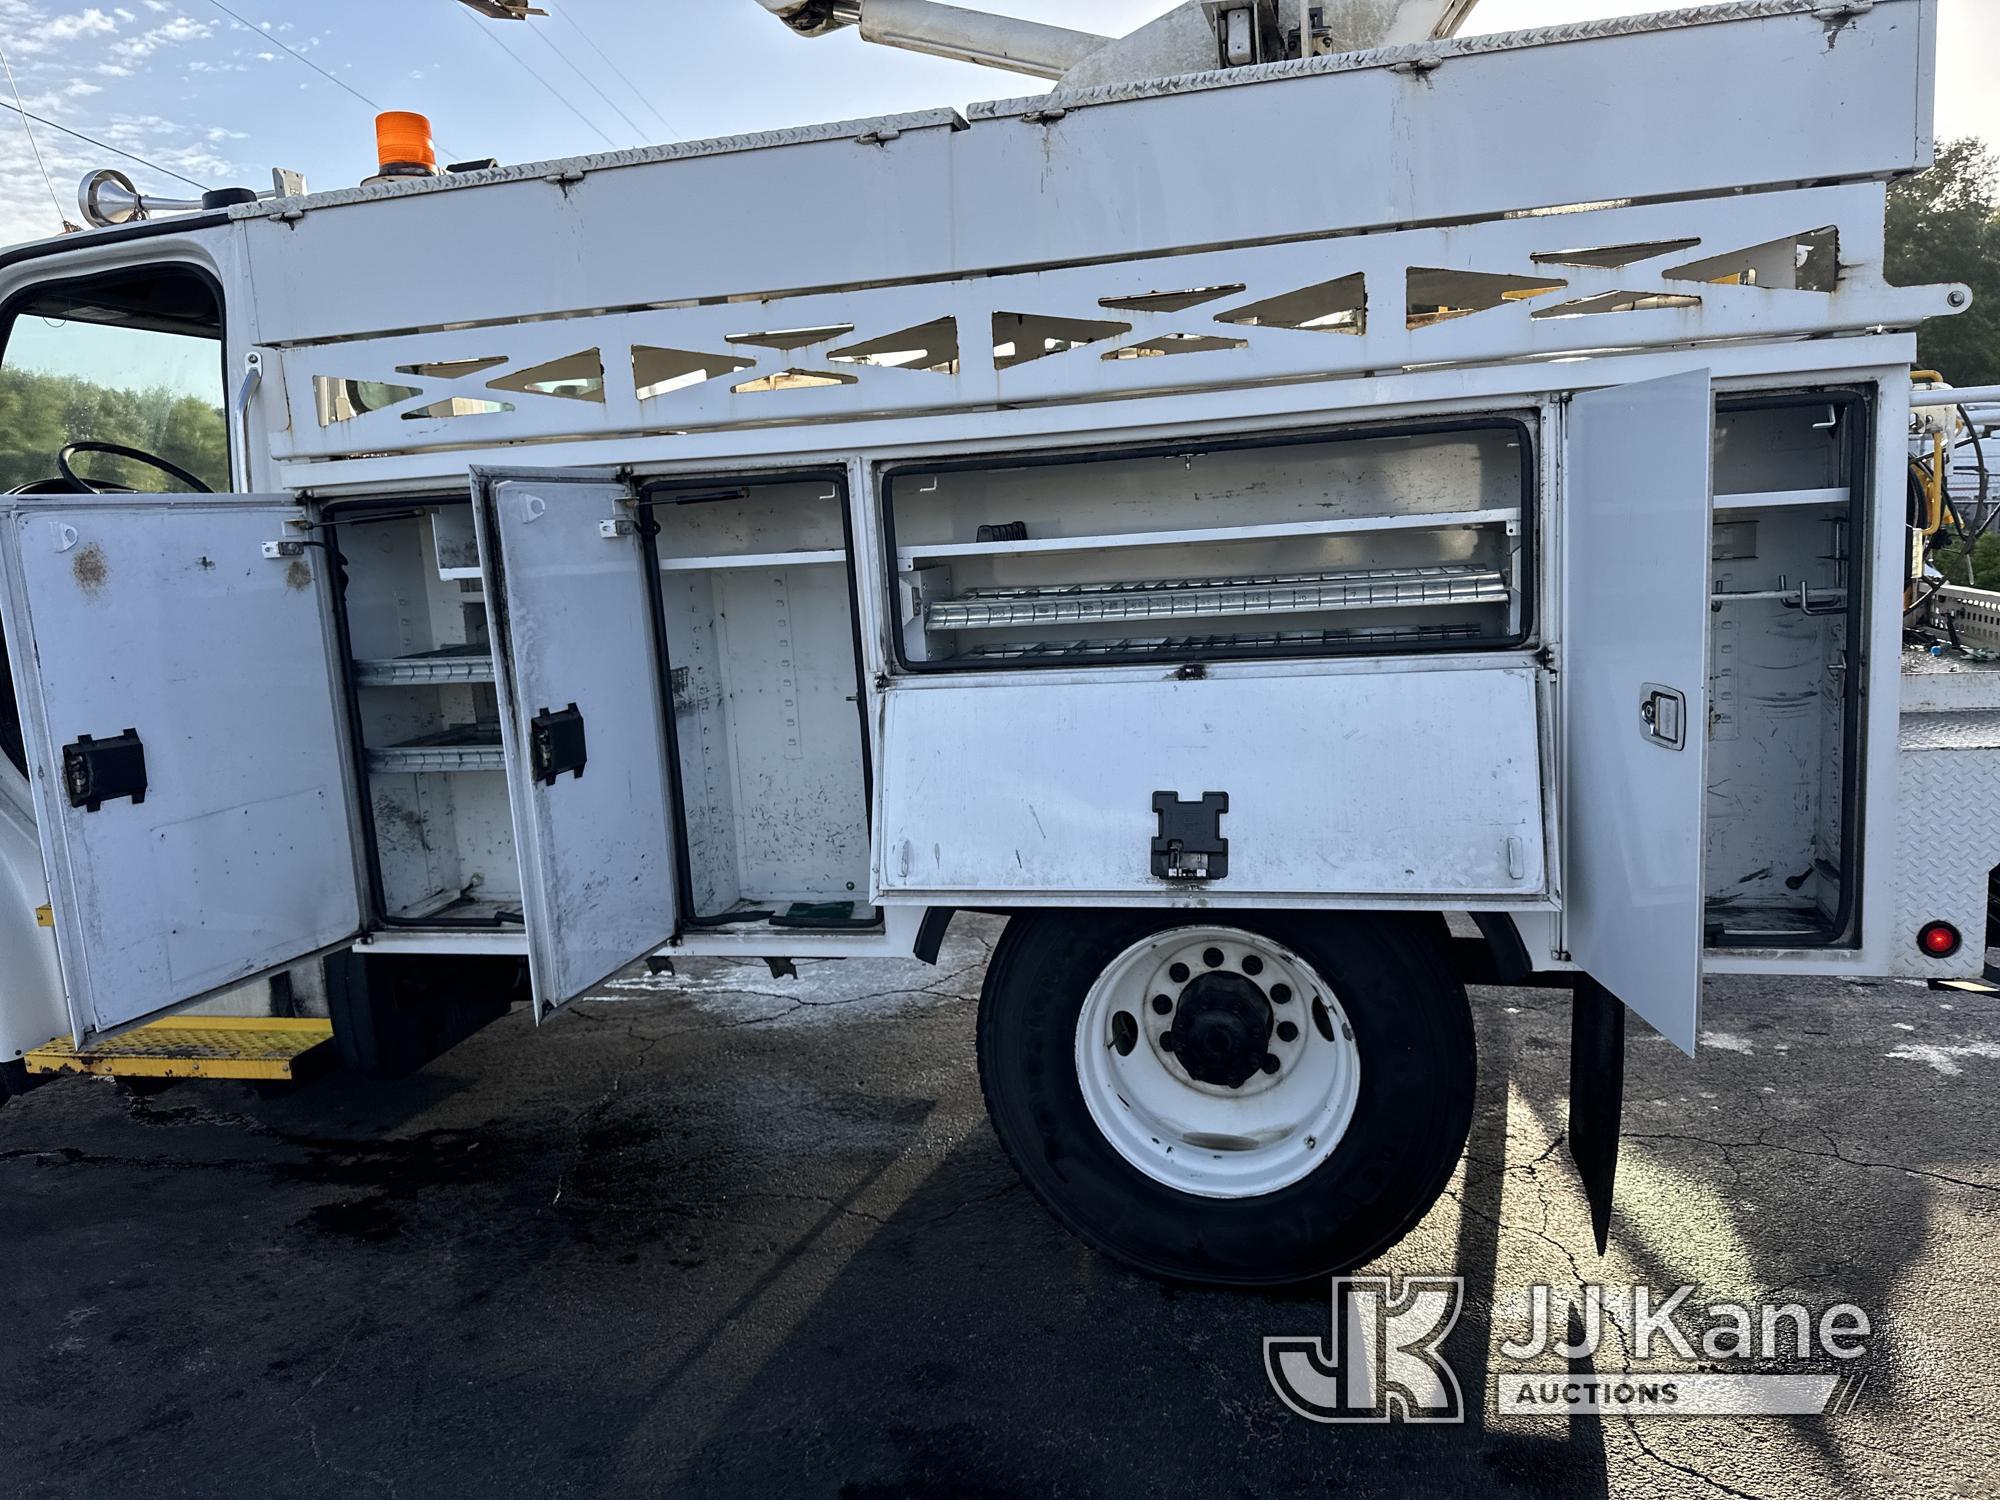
x,y
600,888
1083,758
241,854
1635,691
733,351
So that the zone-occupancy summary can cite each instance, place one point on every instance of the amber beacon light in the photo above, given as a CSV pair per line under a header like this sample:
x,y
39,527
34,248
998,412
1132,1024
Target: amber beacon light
x,y
403,146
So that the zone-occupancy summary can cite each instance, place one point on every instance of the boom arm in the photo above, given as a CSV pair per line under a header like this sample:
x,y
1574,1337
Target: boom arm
x,y
1192,37
947,31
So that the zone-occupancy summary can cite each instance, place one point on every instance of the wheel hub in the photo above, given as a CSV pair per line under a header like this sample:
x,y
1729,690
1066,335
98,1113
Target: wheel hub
x,y
1222,1030
1199,1059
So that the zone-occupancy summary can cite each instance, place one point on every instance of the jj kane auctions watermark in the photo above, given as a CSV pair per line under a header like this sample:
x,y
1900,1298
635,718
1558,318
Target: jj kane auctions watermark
x,y
1382,1359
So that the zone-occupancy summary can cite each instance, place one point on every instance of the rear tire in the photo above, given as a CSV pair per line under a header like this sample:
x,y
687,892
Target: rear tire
x,y
1268,1202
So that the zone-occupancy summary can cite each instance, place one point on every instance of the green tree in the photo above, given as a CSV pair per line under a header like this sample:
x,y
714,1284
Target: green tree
x,y
40,412
1950,561
1944,225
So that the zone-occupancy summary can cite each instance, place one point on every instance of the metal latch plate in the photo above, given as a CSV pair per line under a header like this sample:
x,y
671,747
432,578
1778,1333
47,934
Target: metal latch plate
x,y
1190,845
99,771
556,744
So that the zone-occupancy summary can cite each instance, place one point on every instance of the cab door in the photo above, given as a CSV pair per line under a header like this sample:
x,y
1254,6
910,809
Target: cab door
x,y
571,601
185,743
1636,507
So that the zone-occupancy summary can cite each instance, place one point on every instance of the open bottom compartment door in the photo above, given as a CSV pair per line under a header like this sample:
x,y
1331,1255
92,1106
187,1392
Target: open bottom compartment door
x,y
186,744
1636,542
582,702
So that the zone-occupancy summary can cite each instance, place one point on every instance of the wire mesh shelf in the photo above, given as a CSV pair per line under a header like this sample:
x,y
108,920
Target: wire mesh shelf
x,y
1246,643
1196,598
470,663
459,747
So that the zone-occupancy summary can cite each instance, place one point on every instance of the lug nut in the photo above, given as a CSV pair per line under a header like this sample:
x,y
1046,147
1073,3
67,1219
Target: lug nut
x,y
1281,993
1270,1062
1287,1032
1162,1004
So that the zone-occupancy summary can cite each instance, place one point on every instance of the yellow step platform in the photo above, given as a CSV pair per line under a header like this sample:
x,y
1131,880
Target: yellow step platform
x,y
254,1047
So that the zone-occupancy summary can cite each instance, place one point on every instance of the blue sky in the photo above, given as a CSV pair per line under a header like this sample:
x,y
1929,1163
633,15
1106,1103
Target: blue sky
x,y
180,82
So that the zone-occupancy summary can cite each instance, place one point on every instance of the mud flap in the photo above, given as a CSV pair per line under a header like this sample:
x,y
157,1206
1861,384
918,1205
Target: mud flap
x,y
1596,1095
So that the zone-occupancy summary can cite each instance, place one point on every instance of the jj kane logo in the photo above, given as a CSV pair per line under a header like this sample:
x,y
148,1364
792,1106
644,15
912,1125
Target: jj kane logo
x,y
1379,1359
1715,1358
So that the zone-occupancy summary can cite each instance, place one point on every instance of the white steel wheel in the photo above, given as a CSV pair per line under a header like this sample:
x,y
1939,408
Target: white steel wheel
x,y
1217,1061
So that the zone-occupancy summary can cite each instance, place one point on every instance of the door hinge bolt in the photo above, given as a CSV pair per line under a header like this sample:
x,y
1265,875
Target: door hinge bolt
x,y
287,548
616,527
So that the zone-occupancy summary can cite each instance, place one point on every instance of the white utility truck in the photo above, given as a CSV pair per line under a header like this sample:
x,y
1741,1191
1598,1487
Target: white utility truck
x,y
1235,516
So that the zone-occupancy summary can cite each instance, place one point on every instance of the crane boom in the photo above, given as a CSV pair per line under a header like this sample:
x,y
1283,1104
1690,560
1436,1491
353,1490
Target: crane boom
x,y
1192,37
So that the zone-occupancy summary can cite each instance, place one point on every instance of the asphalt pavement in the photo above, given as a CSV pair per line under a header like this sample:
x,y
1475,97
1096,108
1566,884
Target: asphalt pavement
x,y
724,1234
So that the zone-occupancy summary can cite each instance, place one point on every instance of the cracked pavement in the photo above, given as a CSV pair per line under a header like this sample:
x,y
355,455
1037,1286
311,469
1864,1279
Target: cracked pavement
x,y
717,1233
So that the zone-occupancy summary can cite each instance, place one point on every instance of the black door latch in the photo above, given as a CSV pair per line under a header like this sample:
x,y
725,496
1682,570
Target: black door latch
x,y
1190,845
555,744
99,771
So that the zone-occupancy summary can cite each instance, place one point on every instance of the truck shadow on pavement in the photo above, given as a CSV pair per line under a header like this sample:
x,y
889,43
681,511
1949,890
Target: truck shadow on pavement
x,y
734,1248
972,1349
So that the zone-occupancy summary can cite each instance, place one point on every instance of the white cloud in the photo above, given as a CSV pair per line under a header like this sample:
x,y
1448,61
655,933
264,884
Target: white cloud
x,y
51,31
174,33
62,28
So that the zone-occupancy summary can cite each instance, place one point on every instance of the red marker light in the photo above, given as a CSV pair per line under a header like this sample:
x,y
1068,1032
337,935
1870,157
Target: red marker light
x,y
1939,939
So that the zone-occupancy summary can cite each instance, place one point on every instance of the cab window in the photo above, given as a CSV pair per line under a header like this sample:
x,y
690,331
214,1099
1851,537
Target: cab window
x,y
132,359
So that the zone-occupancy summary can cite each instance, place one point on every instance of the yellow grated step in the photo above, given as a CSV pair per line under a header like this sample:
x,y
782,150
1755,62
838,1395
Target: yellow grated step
x,y
1968,986
256,1047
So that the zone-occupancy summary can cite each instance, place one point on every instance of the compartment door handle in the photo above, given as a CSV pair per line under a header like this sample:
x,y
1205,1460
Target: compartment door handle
x,y
1663,716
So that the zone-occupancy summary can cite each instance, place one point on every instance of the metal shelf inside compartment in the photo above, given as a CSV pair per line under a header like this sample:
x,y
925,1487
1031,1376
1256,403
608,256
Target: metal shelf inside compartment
x,y
1210,645
1199,598
468,663
457,747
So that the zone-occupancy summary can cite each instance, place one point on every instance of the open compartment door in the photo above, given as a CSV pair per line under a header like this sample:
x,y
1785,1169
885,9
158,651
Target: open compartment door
x,y
583,712
1636,543
186,741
